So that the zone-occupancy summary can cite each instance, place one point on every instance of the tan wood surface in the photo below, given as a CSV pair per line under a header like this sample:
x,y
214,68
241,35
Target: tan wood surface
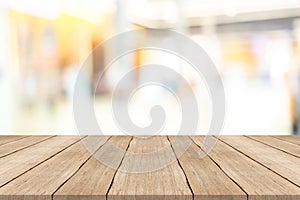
x,y
292,139
18,145
46,178
7,139
282,145
206,179
256,180
156,167
168,182
280,162
18,163
93,180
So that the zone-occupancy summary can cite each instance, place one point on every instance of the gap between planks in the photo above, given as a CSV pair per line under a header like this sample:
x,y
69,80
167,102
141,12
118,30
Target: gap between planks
x,y
178,161
164,179
37,164
234,162
92,154
9,139
247,196
255,138
11,144
290,138
93,179
40,177
259,162
112,181
113,178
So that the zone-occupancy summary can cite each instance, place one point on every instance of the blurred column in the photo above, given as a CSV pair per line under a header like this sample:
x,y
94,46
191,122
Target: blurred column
x,y
126,62
212,44
120,16
294,81
182,25
6,105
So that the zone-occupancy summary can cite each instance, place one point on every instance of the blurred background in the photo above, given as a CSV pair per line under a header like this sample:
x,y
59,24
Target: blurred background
x,y
255,45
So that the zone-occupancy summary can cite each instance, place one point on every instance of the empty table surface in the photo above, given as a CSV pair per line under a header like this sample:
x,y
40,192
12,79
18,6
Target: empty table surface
x,y
156,167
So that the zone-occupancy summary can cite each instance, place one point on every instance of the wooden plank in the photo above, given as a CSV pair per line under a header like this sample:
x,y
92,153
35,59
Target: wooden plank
x,y
257,181
167,182
282,145
282,163
205,178
15,164
42,181
93,180
18,145
290,138
10,138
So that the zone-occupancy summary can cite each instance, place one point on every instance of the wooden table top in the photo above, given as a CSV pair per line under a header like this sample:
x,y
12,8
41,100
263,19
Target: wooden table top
x,y
62,168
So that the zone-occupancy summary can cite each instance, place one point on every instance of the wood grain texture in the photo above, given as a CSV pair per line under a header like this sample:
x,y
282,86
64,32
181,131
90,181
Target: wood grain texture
x,y
282,145
20,144
144,154
256,180
158,167
290,138
16,164
206,179
280,162
93,180
42,181
10,138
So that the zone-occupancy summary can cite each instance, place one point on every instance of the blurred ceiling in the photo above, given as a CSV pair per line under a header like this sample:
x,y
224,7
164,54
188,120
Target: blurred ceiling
x,y
163,13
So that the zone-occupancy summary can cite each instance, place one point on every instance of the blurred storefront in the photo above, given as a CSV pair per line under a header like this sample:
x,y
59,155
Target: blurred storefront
x,y
42,48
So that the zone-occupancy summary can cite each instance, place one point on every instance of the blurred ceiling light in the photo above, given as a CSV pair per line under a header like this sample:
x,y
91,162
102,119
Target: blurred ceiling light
x,y
45,9
230,8
151,10
169,11
205,8
90,10
136,8
145,9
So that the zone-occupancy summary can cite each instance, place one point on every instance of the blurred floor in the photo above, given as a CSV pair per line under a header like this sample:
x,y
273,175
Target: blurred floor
x,y
241,118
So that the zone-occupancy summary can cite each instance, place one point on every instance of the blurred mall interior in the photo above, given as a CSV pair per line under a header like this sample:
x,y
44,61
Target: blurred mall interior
x,y
255,45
